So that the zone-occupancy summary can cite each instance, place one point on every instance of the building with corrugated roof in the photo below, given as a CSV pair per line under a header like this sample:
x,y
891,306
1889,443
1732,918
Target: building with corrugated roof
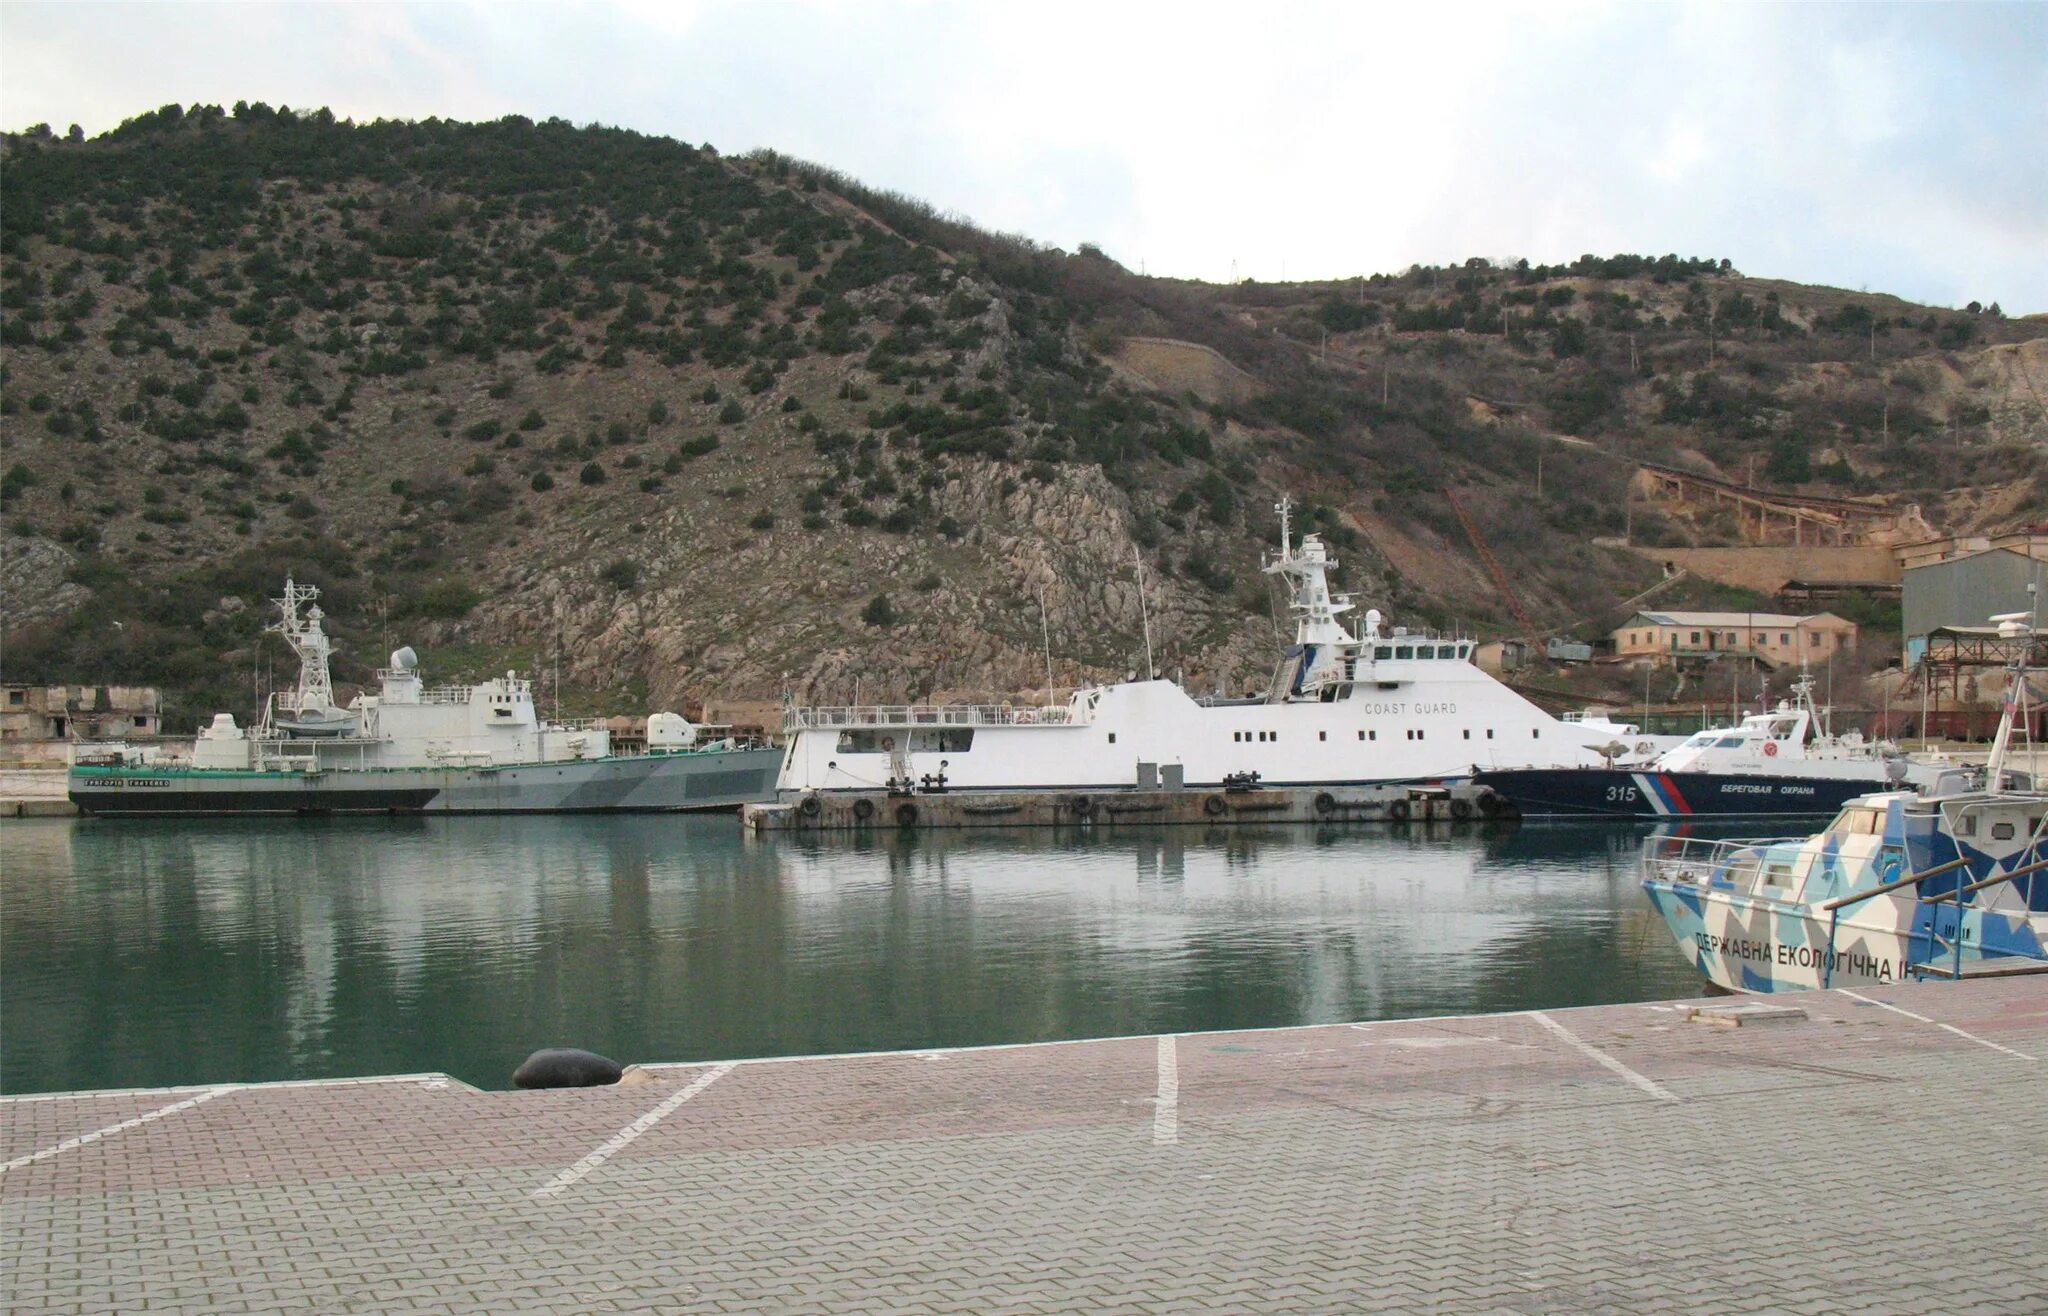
x,y
1964,589
1775,639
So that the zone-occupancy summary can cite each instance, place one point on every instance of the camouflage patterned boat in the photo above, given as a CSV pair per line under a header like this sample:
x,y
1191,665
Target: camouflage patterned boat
x,y
1899,886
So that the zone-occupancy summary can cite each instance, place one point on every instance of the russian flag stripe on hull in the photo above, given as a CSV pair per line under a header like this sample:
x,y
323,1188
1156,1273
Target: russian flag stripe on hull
x,y
1662,793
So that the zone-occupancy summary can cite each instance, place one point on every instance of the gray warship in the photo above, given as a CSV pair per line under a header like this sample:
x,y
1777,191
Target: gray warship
x,y
415,748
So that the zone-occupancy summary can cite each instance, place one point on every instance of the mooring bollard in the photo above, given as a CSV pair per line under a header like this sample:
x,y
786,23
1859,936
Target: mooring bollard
x,y
566,1067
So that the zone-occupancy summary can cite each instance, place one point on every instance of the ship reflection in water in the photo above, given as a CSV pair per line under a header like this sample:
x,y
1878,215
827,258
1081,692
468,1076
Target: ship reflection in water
x,y
195,951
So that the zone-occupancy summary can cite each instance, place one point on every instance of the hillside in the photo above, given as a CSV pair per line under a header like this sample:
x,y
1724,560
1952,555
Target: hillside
x,y
684,426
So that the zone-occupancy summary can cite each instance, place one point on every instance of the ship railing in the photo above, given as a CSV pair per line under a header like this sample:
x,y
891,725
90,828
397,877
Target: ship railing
x,y
918,715
1700,861
282,762
1950,946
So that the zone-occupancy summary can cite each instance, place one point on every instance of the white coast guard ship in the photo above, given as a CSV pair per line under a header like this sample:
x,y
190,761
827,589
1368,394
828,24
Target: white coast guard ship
x,y
415,748
1383,706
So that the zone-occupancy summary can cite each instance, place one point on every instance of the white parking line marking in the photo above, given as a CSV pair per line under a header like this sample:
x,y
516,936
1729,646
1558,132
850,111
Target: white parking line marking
x,y
1972,1037
85,1138
618,1141
1166,1112
1601,1058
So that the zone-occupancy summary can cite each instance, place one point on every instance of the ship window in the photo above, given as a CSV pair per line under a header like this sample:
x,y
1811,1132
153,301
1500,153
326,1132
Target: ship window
x,y
1112,737
1489,733
1729,742
1966,825
947,740
1535,733
1372,735
2001,831
1404,651
1468,733
1382,651
1322,735
1418,735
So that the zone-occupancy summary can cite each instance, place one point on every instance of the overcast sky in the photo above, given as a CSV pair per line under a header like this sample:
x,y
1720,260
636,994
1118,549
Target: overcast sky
x,y
1895,148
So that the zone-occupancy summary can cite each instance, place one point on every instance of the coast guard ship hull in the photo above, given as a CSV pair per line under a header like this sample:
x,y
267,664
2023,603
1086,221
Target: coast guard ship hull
x,y
1623,793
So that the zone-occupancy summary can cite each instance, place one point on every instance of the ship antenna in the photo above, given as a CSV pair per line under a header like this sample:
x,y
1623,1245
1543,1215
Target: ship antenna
x,y
1045,638
1144,614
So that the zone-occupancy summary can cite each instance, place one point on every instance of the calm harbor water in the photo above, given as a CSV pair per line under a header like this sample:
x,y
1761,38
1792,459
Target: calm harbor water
x,y
146,953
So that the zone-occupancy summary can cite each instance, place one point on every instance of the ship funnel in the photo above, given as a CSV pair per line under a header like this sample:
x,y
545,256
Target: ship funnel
x,y
403,659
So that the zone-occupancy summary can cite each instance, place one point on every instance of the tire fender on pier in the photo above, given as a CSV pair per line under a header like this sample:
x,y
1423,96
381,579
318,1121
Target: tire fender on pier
x,y
906,814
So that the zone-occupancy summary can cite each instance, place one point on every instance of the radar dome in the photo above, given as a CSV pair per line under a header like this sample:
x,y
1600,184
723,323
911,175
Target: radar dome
x,y
404,659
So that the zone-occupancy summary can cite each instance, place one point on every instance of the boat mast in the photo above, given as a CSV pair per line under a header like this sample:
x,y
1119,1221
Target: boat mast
x,y
1315,608
2020,626
309,642
1144,614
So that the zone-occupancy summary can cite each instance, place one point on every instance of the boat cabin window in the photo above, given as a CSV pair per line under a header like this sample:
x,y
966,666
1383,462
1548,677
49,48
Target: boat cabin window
x,y
1966,825
1404,651
2001,831
933,740
1383,651
1729,742
1858,822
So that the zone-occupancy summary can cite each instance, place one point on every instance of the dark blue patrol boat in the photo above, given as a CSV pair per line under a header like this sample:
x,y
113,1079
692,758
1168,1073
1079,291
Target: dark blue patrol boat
x,y
1772,763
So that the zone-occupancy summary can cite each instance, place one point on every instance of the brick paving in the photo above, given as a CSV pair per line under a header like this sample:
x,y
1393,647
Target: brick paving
x,y
1615,1159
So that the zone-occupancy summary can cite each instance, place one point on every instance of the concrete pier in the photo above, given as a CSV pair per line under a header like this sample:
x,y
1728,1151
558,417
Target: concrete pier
x,y
1875,1150
854,810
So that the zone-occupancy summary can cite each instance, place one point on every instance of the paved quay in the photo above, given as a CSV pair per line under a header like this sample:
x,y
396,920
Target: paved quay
x,y
1875,1151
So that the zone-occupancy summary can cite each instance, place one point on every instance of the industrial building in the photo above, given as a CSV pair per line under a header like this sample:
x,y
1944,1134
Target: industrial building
x,y
1772,639
38,722
1959,584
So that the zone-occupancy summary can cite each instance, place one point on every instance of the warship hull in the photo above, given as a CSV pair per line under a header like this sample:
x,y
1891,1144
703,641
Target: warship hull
x,y
641,783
